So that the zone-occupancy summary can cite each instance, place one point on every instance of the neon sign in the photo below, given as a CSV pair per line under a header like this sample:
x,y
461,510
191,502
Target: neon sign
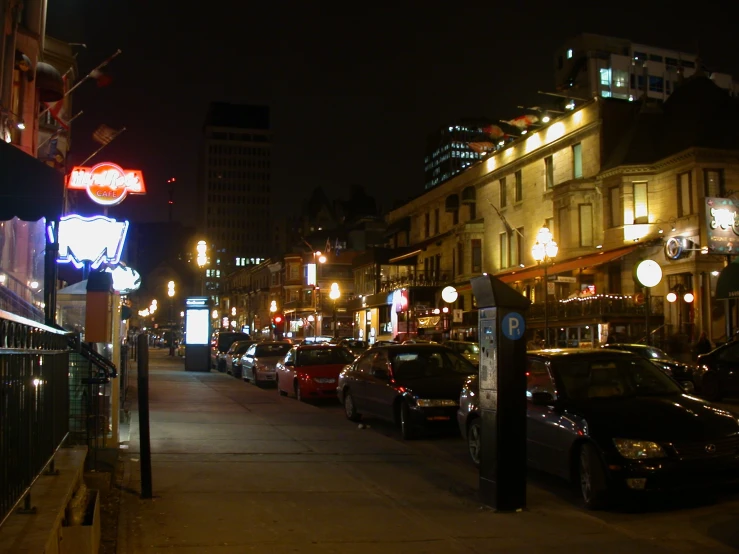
x,y
106,183
722,224
94,240
125,279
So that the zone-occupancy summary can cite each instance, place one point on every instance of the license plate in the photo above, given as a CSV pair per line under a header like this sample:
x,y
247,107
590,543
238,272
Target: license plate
x,y
324,380
269,377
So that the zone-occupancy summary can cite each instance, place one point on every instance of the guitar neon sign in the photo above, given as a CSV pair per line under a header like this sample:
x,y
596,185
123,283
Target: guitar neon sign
x,y
106,183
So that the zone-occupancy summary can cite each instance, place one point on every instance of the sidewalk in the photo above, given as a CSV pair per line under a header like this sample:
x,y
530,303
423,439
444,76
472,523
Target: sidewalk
x,y
239,469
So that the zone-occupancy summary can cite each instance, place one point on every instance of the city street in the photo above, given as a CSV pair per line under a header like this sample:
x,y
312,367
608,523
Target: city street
x,y
237,468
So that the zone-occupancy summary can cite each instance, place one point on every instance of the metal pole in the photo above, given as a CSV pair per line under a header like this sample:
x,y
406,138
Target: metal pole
x,y
646,313
143,390
336,329
546,306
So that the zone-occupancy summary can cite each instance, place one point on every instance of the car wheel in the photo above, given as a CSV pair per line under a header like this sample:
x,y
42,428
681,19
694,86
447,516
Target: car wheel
x,y
593,485
406,426
349,408
711,388
474,441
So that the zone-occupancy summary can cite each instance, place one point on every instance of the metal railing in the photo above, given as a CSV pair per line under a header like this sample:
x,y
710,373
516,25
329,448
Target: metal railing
x,y
34,406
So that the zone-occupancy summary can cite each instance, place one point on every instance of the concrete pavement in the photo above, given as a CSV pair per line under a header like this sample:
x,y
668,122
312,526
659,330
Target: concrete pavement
x,y
240,469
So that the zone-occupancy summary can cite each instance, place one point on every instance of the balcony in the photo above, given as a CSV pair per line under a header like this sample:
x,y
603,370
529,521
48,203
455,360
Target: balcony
x,y
416,279
597,306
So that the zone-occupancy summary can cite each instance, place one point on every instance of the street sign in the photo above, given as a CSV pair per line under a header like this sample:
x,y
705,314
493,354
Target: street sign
x,y
513,326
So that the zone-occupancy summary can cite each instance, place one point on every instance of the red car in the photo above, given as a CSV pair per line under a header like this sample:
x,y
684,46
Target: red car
x,y
310,371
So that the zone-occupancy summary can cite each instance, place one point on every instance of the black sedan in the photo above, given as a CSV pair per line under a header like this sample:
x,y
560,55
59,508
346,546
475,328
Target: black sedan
x,y
680,371
614,422
413,385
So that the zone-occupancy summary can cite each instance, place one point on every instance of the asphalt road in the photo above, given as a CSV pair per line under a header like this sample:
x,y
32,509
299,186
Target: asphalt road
x,y
690,519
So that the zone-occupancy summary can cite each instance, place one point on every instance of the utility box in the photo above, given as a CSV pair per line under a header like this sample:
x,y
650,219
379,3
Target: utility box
x,y
99,312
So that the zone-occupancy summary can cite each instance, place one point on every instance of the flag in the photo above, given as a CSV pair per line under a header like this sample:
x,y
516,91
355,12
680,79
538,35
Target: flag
x,y
104,134
102,78
56,109
507,225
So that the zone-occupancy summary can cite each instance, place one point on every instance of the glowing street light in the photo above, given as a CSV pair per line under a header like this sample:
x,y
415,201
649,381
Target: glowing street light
x,y
334,295
202,259
544,252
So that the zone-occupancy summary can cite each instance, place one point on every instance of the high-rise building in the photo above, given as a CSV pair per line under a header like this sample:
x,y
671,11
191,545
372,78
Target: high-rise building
x,y
453,148
590,65
234,185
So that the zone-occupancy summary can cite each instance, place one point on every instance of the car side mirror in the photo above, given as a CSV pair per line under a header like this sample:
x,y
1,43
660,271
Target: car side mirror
x,y
542,398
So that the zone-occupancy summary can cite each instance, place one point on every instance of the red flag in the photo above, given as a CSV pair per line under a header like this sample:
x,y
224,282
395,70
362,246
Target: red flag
x,y
102,79
56,109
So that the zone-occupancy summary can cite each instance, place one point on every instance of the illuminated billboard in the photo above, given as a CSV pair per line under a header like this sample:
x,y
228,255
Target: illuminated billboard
x,y
722,225
94,240
106,183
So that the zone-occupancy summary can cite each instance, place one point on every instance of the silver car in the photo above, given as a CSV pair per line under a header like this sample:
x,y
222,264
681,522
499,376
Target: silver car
x,y
258,362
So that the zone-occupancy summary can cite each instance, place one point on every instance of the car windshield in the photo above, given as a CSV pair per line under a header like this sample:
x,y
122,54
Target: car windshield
x,y
587,378
430,363
324,356
272,349
465,348
242,347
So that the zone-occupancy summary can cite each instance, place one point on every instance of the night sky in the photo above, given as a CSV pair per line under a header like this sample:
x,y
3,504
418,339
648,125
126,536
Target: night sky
x,y
353,92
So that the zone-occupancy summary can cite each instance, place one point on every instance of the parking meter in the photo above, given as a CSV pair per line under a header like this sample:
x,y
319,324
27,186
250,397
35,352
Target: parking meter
x,y
502,396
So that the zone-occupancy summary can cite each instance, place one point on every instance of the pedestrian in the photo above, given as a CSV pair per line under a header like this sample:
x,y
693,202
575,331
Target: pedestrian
x,y
703,346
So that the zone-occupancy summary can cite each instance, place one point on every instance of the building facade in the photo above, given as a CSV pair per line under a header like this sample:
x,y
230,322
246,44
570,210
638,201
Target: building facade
x,y
591,65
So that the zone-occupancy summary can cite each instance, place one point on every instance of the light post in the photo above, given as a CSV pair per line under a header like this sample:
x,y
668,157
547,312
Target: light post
x,y
272,311
544,252
311,320
334,295
202,259
170,293
318,259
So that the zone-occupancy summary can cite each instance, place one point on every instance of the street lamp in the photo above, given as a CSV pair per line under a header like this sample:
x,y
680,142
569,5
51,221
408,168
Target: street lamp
x,y
170,293
334,295
272,311
202,259
544,252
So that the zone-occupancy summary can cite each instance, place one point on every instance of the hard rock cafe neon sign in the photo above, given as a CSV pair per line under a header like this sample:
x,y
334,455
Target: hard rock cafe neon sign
x,y
106,183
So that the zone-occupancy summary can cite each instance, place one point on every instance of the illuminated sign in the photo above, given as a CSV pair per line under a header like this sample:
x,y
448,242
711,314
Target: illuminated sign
x,y
106,183
722,224
125,279
648,273
94,240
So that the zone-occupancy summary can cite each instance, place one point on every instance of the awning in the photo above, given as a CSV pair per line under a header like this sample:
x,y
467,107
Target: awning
x,y
581,262
727,286
29,189
49,82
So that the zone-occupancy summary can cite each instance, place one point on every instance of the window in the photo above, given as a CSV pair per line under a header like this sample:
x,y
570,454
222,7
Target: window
x,y
614,196
561,224
516,242
503,250
641,203
436,221
714,180
656,84
460,258
426,225
577,161
549,171
685,194
569,53
620,78
538,379
455,217
476,256
640,56
586,224
655,57
605,76
503,195
519,186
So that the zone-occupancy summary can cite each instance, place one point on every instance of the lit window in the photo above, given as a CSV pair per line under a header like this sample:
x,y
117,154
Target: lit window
x,y
605,93
569,53
605,76
641,204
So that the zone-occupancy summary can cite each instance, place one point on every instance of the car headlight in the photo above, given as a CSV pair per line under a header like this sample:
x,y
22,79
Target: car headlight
x,y
435,403
638,450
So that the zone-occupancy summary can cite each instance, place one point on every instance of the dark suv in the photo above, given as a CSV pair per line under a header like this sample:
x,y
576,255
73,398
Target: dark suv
x,y
718,371
219,346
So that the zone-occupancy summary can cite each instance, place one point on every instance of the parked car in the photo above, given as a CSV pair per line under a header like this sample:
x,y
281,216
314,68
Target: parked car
x,y
412,385
680,371
718,371
258,363
233,356
470,350
219,345
613,422
310,371
356,346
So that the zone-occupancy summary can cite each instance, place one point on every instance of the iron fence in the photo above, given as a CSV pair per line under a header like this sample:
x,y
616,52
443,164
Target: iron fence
x,y
34,404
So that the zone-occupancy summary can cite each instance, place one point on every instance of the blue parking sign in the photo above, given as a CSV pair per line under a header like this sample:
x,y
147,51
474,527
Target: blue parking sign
x,y
513,326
